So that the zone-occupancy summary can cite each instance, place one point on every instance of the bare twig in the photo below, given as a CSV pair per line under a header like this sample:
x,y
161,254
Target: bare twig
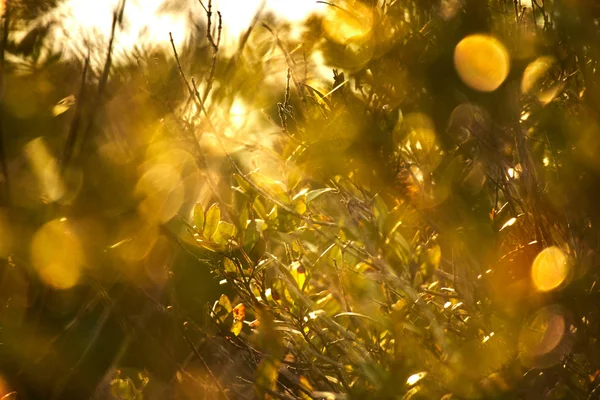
x,y
203,361
211,74
284,108
117,19
288,58
3,43
72,135
181,73
194,94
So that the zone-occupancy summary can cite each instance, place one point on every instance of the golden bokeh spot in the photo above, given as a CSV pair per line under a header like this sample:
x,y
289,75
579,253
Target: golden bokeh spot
x,y
546,96
535,71
416,136
482,62
45,168
162,153
137,237
161,193
543,339
348,22
57,254
550,269
159,260
449,8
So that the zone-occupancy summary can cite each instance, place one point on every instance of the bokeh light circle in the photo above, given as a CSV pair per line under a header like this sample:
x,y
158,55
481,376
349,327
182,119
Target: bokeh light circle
x,y
57,254
348,22
482,62
161,192
545,337
550,269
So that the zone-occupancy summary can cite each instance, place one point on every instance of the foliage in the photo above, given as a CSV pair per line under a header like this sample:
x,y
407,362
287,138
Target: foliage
x,y
423,225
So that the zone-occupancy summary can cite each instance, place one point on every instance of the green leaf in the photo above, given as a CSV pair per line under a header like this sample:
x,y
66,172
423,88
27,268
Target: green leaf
x,y
210,246
274,188
258,250
225,231
314,194
251,235
244,186
243,217
380,211
199,217
260,209
213,217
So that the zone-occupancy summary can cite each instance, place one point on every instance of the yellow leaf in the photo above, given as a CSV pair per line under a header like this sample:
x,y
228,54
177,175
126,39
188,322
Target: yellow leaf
x,y
236,327
299,205
199,217
298,273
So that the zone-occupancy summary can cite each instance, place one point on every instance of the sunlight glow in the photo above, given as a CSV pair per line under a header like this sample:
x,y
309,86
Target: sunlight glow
x,y
348,22
147,25
85,22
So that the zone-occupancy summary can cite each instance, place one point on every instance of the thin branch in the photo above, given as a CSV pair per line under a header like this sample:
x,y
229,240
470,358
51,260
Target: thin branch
x,y
72,136
3,43
211,75
181,73
117,19
203,361
289,60
193,92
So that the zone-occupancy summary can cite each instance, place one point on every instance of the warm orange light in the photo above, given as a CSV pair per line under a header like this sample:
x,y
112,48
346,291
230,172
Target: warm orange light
x,y
482,62
550,269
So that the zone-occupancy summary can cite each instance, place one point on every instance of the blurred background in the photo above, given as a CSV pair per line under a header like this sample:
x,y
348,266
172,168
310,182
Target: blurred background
x,y
299,199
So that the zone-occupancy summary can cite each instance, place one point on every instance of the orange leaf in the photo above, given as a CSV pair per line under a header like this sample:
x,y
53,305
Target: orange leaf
x,y
239,312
